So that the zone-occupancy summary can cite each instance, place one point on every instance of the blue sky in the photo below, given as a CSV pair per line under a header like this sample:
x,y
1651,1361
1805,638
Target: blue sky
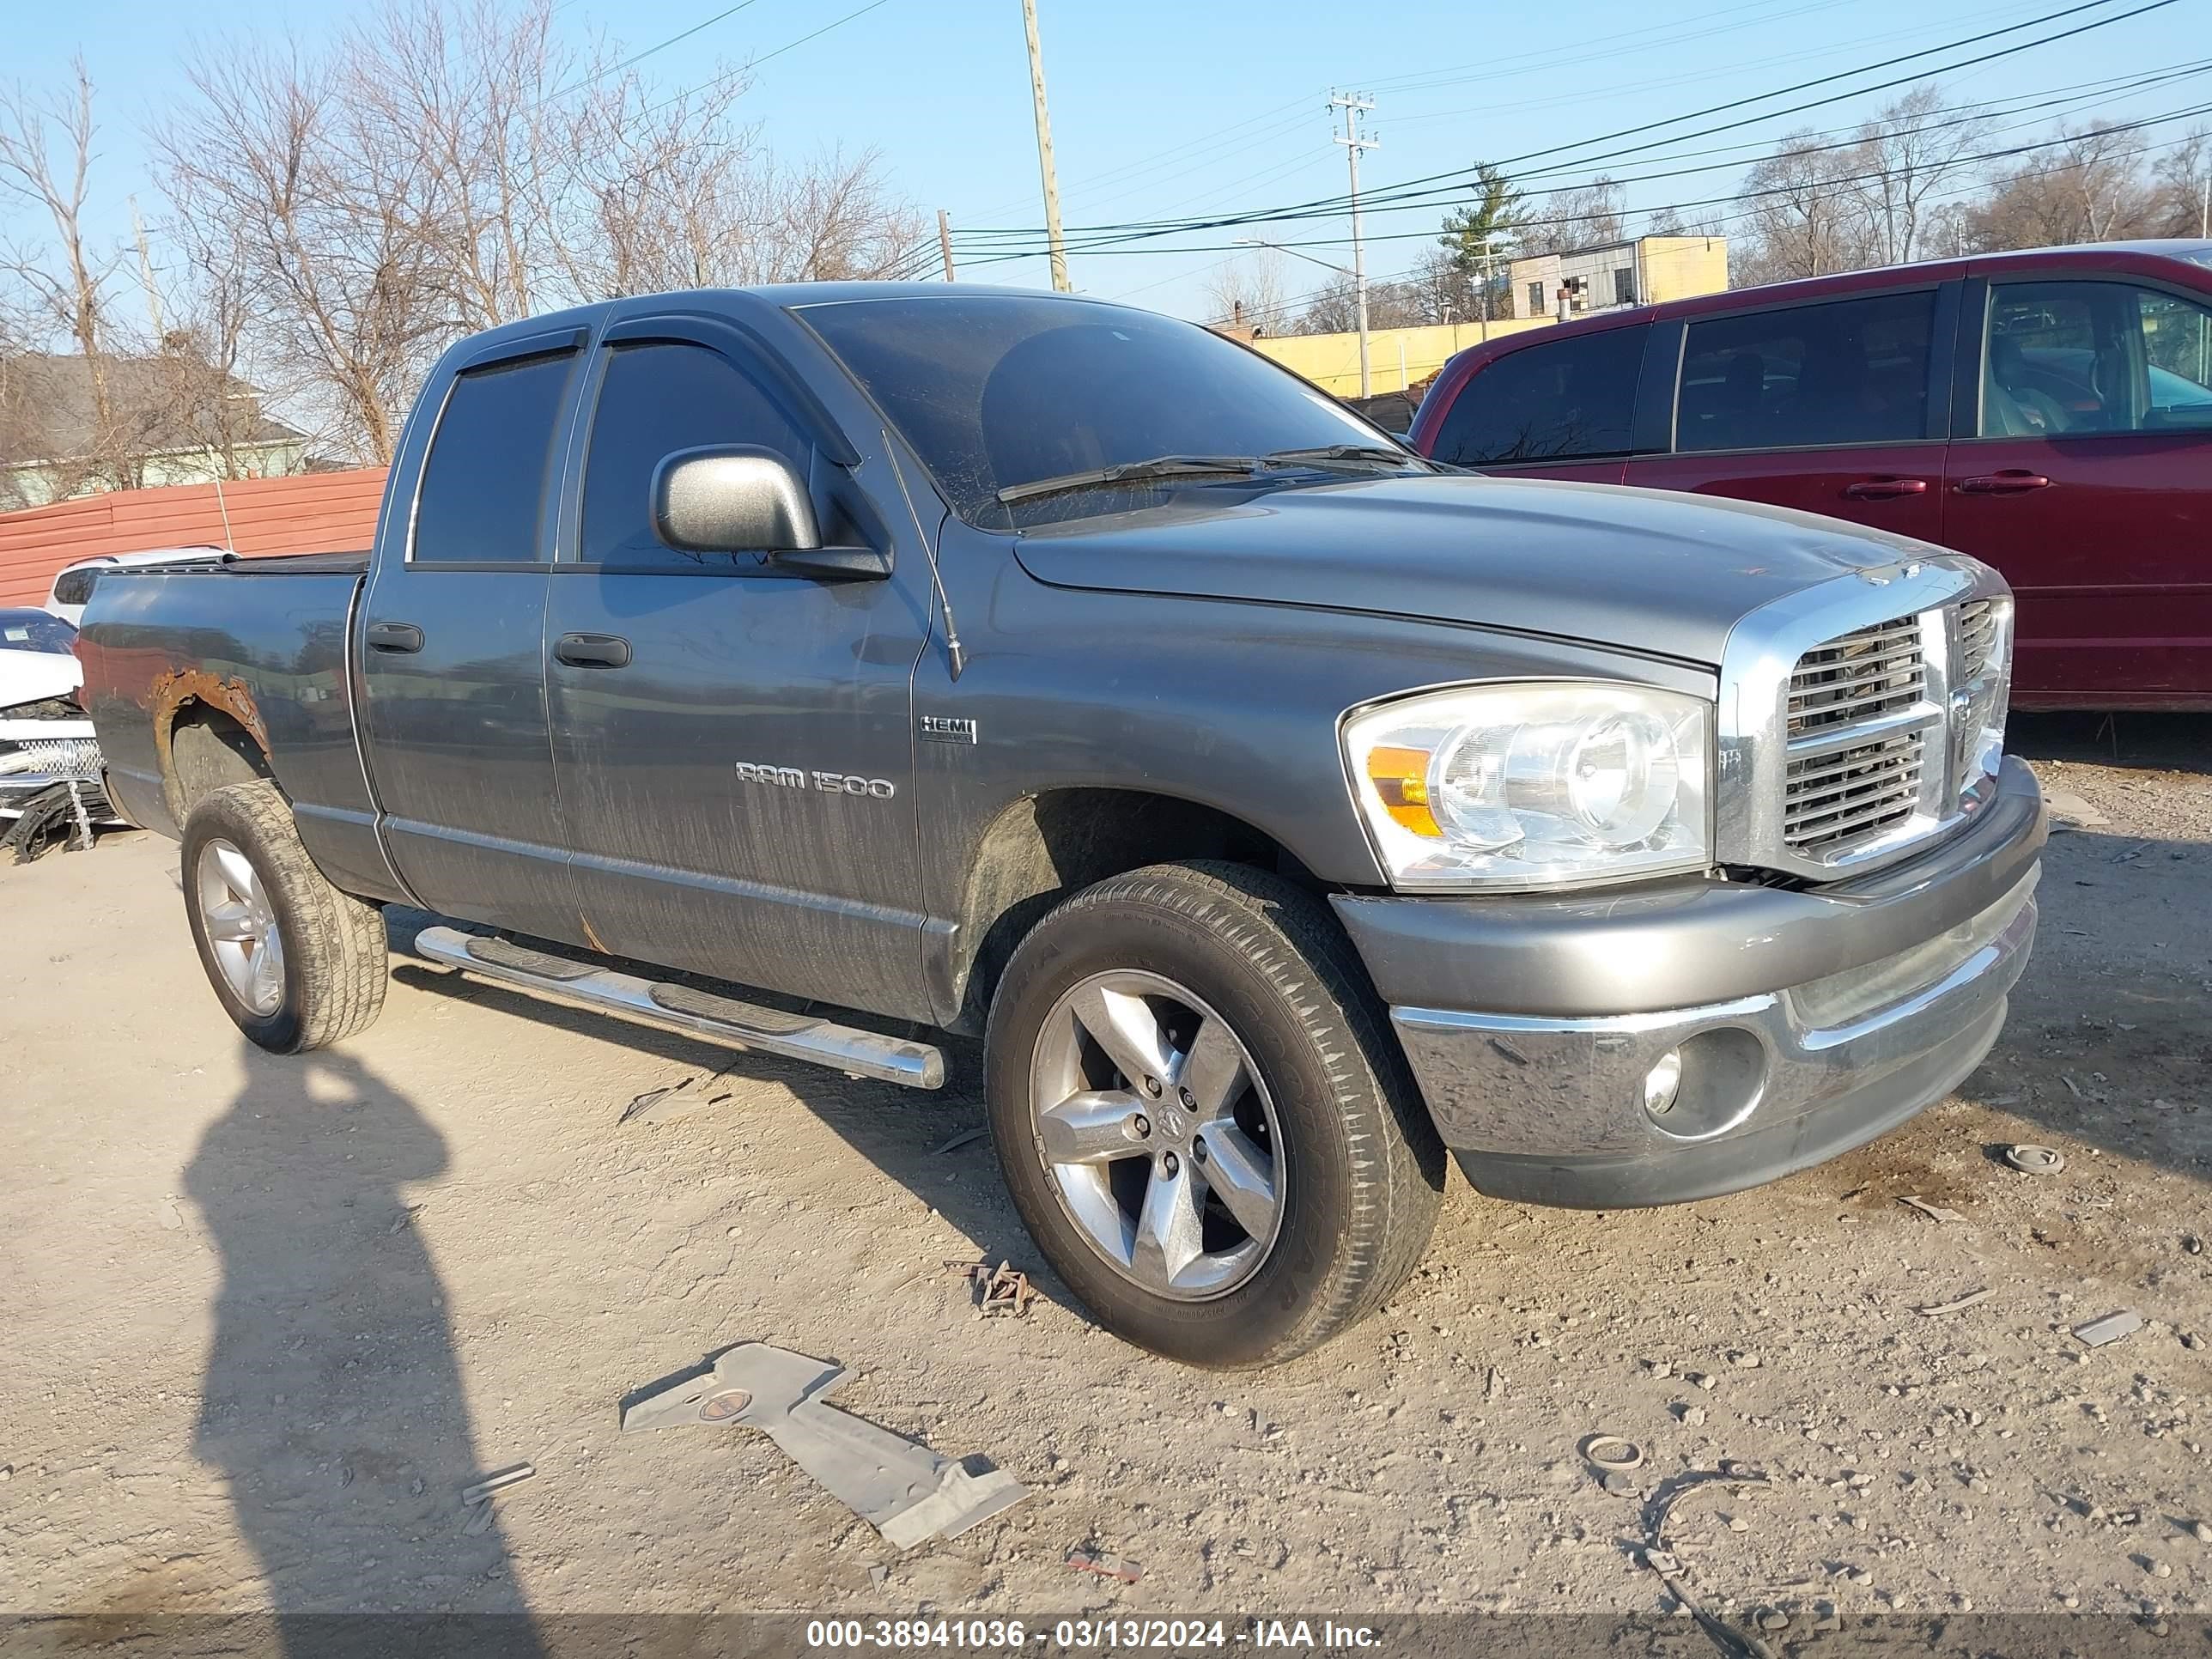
x,y
1175,110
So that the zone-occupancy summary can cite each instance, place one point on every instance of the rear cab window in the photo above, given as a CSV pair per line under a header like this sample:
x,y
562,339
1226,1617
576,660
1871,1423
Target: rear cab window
x,y
1566,400
484,495
1841,372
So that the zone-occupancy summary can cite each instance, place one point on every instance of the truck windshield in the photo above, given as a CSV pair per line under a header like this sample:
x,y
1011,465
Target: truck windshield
x,y
997,391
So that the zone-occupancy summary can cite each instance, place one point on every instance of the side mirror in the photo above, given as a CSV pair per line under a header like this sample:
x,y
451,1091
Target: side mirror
x,y
740,498
736,499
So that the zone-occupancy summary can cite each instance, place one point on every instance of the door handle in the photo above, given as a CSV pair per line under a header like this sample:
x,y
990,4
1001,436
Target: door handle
x,y
2011,482
592,651
1881,490
394,636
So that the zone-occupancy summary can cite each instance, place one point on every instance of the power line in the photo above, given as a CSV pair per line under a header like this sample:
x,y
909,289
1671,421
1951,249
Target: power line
x,y
1713,201
1140,229
753,64
637,58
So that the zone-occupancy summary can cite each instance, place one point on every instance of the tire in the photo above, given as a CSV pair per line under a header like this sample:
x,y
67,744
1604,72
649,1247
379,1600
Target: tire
x,y
326,980
1356,1169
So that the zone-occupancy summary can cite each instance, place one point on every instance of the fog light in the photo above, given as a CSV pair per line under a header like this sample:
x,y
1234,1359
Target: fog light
x,y
1662,1083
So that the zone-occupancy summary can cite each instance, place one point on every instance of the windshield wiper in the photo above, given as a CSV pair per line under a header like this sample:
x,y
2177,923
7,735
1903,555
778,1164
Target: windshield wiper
x,y
1362,452
1160,466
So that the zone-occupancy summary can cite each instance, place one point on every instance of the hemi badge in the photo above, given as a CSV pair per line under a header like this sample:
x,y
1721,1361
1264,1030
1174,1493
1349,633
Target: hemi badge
x,y
947,729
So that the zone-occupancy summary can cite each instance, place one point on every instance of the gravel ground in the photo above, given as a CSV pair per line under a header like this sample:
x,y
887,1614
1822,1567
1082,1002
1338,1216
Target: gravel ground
x,y
265,1317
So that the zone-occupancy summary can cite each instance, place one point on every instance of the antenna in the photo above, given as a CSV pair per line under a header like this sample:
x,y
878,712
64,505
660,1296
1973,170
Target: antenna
x,y
957,656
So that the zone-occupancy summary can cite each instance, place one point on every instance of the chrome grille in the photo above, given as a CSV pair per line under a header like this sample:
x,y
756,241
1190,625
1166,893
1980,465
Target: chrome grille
x,y
1977,637
1844,794
1873,671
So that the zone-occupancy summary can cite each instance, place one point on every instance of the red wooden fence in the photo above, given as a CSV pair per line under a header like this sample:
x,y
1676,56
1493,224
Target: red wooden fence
x,y
317,512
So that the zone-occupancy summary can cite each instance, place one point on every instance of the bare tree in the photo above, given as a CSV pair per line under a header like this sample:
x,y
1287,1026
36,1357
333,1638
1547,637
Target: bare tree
x,y
449,165
1582,216
1906,157
67,280
2084,189
1248,290
1804,216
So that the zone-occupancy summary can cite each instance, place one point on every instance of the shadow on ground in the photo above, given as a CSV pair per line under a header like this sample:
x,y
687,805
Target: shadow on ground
x,y
332,1401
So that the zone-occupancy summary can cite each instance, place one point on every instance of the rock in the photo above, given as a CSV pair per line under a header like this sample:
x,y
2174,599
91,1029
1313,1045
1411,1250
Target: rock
x,y
1737,1523
2161,1570
2202,1531
1774,1618
1705,1380
1746,1362
1660,1367
2070,1600
1694,1415
1859,1576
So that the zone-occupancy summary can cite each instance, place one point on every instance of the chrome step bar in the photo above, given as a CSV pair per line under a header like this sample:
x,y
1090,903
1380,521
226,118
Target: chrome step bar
x,y
679,1008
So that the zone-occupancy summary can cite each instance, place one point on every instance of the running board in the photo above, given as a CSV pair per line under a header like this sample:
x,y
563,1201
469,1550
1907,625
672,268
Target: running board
x,y
679,1008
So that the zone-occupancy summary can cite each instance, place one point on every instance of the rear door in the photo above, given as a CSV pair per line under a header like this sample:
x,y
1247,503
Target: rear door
x,y
2083,472
733,744
1560,408
1838,407
452,663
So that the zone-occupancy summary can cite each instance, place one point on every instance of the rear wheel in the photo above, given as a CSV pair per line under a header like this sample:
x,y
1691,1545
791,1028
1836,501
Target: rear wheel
x,y
1202,1118
296,964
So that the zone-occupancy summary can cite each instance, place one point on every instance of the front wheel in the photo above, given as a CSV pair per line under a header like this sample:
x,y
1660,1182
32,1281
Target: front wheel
x,y
296,964
1202,1119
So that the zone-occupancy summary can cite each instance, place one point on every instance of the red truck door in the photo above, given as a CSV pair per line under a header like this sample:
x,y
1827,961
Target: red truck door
x,y
2082,470
1836,407
1561,409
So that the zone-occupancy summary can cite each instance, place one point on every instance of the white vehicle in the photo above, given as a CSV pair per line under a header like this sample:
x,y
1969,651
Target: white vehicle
x,y
73,583
52,780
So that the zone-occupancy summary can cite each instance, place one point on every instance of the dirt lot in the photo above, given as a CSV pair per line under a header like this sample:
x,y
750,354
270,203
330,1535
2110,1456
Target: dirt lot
x,y
264,1317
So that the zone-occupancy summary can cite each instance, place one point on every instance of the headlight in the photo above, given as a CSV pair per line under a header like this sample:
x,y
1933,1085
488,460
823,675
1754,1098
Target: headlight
x,y
1534,785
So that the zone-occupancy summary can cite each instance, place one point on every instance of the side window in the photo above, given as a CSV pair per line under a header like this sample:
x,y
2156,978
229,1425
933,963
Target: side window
x,y
482,493
2074,359
1558,401
1536,308
1623,287
655,399
1849,372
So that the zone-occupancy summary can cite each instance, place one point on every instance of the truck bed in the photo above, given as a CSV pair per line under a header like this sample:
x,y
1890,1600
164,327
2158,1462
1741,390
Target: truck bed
x,y
257,647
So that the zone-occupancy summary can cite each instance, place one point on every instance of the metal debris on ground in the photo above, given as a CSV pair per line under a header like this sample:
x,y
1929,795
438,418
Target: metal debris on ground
x,y
498,1481
1933,1211
907,1491
965,1138
1959,1306
1660,1557
480,1520
2110,1327
2030,1159
1105,1566
1610,1451
999,1290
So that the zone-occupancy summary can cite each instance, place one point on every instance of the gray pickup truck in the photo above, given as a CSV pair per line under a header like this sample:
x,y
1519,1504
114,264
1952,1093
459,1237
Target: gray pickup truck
x,y
821,669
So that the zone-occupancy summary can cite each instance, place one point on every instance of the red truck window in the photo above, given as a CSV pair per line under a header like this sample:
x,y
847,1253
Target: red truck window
x,y
1553,401
1855,371
2073,359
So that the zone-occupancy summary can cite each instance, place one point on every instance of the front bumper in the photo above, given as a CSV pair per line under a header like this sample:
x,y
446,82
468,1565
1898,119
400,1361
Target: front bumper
x,y
1807,1022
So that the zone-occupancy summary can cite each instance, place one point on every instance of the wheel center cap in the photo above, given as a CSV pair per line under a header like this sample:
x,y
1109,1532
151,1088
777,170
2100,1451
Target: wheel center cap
x,y
1172,1120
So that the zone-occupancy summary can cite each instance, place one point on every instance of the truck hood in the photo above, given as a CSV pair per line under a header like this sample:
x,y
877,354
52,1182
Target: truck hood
x,y
1648,570
34,676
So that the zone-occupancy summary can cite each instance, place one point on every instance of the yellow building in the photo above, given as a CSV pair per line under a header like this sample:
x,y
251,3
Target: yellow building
x,y
1543,289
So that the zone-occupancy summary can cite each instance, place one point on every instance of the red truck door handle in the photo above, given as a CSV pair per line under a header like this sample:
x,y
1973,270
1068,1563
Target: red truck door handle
x,y
592,651
1881,490
2010,482
394,636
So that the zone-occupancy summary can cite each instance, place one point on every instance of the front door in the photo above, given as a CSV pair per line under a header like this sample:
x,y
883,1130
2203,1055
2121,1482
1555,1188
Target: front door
x,y
2087,483
734,744
452,650
1835,408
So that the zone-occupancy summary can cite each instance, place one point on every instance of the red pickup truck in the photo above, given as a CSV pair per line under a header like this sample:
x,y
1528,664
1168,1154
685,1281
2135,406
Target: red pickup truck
x,y
2049,412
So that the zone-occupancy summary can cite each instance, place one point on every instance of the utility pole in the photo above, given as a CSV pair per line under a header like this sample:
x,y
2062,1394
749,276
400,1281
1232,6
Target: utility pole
x,y
1354,104
146,277
1044,152
944,241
